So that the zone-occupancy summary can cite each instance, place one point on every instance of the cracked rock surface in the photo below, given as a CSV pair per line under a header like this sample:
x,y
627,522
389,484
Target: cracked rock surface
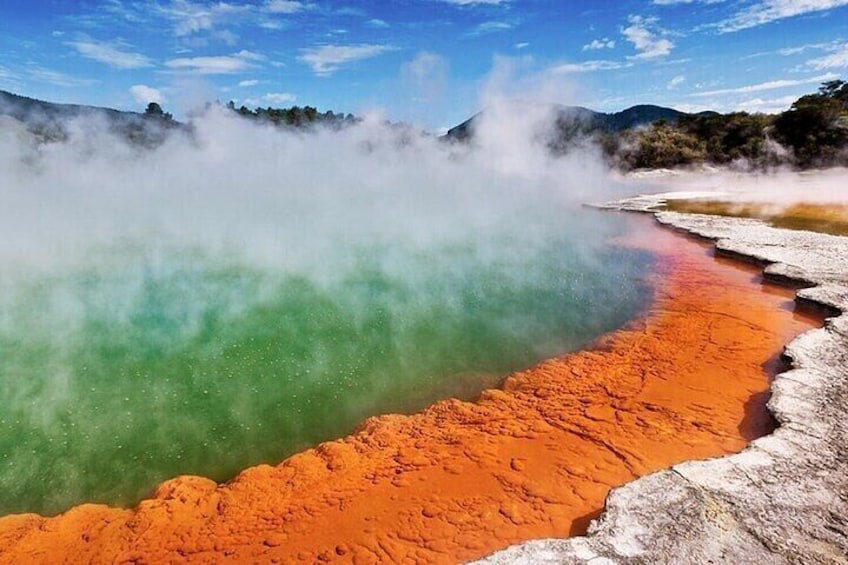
x,y
784,499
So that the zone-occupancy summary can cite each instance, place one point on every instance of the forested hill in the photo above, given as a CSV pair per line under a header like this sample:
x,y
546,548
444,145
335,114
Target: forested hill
x,y
295,116
812,133
48,121
26,109
578,118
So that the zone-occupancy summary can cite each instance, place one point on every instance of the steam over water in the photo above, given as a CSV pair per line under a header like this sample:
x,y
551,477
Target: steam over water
x,y
241,293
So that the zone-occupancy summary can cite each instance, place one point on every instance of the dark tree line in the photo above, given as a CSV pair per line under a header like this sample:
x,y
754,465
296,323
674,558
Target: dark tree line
x,y
812,133
154,110
296,116
816,126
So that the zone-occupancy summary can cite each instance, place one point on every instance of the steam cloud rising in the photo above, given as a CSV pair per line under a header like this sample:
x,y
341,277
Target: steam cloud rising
x,y
158,307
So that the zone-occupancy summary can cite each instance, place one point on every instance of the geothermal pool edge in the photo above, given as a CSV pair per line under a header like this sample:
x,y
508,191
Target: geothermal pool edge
x,y
782,499
495,471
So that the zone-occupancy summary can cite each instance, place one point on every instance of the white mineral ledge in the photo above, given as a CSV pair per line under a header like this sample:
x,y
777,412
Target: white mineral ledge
x,y
784,499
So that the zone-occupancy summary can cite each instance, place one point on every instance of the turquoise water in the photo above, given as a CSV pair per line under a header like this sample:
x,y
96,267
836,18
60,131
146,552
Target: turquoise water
x,y
139,363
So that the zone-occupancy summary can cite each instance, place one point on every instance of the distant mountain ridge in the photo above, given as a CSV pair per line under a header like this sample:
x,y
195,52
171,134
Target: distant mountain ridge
x,y
24,108
49,120
571,118
639,115
46,118
812,133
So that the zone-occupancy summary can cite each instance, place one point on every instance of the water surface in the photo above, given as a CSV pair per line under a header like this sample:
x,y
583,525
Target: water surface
x,y
142,362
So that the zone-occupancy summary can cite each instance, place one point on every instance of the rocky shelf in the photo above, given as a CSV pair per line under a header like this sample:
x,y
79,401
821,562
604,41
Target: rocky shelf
x,y
784,499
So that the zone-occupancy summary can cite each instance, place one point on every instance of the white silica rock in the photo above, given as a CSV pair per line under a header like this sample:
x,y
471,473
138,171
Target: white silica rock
x,y
784,499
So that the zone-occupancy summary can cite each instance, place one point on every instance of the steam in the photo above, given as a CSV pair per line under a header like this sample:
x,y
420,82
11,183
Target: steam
x,y
159,306
778,189
277,196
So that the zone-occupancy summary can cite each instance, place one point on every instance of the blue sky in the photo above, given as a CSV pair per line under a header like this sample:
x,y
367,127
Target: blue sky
x,y
431,62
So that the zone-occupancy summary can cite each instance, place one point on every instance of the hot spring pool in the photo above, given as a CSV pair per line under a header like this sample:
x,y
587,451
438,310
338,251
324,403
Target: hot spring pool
x,y
136,365
242,292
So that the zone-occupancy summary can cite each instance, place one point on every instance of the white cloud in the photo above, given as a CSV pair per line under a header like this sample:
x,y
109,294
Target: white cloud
x,y
798,49
193,20
589,66
190,18
285,6
769,106
377,23
695,108
671,2
270,24
245,54
55,77
829,46
247,83
472,2
522,45
645,40
6,74
596,44
144,94
275,99
770,85
836,60
222,65
490,27
425,65
750,105
280,97
112,54
675,82
327,59
766,11
226,36
426,75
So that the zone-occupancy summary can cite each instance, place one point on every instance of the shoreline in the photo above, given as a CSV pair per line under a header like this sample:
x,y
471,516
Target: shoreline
x,y
453,482
780,500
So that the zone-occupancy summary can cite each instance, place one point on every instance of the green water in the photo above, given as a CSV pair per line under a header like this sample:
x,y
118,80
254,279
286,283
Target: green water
x,y
134,366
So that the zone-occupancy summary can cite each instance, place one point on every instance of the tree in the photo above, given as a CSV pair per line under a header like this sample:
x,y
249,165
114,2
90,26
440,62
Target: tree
x,y
837,89
295,116
661,145
155,110
729,137
816,126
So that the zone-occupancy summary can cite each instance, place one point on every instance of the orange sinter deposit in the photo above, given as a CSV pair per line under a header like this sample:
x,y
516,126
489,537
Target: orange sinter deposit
x,y
462,479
